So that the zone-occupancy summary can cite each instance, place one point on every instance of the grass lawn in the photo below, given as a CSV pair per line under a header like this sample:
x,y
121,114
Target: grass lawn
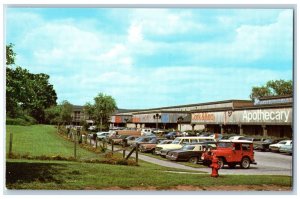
x,y
39,140
33,174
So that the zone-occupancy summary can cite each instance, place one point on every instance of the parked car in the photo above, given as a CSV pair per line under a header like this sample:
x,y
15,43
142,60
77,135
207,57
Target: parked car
x,y
143,139
287,148
130,140
158,131
178,142
173,134
275,147
150,146
264,145
102,135
119,139
91,128
189,152
231,152
237,137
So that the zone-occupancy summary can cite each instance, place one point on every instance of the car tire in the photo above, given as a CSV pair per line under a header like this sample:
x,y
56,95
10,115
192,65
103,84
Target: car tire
x,y
245,163
193,160
221,163
153,151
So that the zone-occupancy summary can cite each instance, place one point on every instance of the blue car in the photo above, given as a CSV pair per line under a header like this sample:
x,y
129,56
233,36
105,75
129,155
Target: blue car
x,y
173,134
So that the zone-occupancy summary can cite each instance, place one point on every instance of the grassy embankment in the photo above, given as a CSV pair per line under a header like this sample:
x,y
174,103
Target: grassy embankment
x,y
70,175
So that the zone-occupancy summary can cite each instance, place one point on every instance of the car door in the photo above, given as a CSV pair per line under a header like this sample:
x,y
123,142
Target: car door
x,y
236,153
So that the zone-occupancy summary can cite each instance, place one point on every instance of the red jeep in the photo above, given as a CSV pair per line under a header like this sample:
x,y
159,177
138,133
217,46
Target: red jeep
x,y
231,152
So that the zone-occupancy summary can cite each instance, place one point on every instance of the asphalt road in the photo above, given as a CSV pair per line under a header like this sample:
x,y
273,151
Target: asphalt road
x,y
268,163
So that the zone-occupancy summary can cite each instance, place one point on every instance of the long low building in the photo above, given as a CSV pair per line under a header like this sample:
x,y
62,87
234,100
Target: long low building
x,y
269,116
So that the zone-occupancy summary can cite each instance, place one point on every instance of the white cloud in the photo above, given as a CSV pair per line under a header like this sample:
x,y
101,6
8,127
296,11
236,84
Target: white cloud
x,y
164,22
83,60
135,33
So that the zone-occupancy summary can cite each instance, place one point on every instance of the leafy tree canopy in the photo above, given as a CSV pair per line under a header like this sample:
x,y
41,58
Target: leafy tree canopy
x,y
104,106
10,54
27,93
272,88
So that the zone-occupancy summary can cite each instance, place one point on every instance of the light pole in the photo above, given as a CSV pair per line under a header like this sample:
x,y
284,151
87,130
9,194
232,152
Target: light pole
x,y
126,120
156,116
179,120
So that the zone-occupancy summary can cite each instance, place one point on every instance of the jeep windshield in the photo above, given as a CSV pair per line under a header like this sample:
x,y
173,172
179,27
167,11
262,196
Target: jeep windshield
x,y
224,145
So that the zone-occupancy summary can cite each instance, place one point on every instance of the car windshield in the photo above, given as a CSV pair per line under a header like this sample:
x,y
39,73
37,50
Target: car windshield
x,y
176,141
188,148
164,142
224,145
282,142
153,141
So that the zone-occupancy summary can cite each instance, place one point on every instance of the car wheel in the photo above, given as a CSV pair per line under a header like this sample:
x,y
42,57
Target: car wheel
x,y
221,163
153,151
232,165
193,160
245,163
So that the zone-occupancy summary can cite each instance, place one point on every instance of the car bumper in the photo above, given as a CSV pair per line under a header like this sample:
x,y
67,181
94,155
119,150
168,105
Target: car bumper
x,y
285,151
170,157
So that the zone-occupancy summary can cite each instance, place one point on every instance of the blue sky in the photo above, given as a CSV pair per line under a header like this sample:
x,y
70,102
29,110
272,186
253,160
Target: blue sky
x,y
148,58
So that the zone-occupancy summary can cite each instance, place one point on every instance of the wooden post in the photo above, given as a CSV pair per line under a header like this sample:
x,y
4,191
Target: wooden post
x,y
136,153
112,146
124,143
10,143
75,150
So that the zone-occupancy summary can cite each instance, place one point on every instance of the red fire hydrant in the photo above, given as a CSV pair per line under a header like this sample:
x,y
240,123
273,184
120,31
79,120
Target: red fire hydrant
x,y
215,167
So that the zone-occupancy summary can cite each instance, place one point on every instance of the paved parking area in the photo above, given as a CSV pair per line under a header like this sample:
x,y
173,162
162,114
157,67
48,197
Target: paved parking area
x,y
268,163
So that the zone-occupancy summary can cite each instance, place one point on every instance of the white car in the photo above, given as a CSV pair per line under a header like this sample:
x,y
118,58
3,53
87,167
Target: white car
x,y
102,135
275,147
91,128
238,137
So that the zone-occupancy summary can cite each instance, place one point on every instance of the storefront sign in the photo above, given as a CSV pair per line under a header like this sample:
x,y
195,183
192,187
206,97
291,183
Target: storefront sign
x,y
273,101
135,120
250,116
261,115
203,117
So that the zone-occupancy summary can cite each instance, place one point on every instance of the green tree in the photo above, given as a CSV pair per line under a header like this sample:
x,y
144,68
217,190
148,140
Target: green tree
x,y
104,106
26,93
52,115
89,110
272,88
10,54
66,112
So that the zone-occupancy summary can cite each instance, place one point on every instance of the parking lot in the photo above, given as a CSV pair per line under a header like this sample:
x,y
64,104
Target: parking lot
x,y
268,163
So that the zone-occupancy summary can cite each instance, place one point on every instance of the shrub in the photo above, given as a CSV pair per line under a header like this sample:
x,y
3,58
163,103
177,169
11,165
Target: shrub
x,y
17,121
29,119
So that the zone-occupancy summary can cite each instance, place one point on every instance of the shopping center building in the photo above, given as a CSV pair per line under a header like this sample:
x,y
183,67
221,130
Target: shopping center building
x,y
268,116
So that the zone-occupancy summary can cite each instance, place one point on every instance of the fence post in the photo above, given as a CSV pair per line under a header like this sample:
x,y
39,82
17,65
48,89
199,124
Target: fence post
x,y
124,145
75,147
112,147
136,152
10,143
